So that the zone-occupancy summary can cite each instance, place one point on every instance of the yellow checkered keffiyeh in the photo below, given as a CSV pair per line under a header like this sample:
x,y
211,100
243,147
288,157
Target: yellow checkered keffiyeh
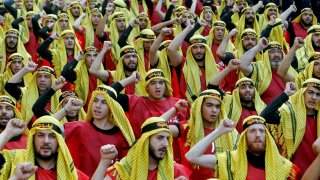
x,y
210,37
24,29
234,164
116,115
303,11
293,120
1,33
145,35
30,94
59,55
159,74
196,128
134,8
223,5
277,35
64,164
303,53
114,34
57,26
177,27
119,74
263,18
191,70
234,102
74,4
89,28
163,61
136,31
8,73
261,75
205,9
236,16
135,164
20,49
308,71
82,73
121,6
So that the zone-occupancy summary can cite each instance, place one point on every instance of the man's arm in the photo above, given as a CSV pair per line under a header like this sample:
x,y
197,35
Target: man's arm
x,y
103,75
23,171
125,34
172,51
68,69
157,28
221,51
313,172
284,16
103,21
43,50
15,23
234,64
8,5
287,60
77,23
108,153
257,6
73,104
153,56
14,128
196,153
245,67
158,10
271,113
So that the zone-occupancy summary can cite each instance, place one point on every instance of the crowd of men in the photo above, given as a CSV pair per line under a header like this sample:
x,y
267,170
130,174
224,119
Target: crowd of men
x,y
164,89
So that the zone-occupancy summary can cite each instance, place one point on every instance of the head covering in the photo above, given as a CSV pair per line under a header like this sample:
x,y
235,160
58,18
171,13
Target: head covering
x,y
236,16
210,37
264,19
59,55
20,49
303,11
134,8
74,4
308,71
203,10
24,29
304,52
49,17
82,81
135,164
136,31
12,103
240,50
66,94
294,114
191,69
163,62
8,73
158,74
90,33
116,114
121,6
146,35
65,165
242,23
114,34
177,27
57,26
235,110
118,75
234,164
30,94
23,11
196,127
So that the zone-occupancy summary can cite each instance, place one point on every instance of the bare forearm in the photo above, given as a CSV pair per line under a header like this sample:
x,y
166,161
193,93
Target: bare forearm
x,y
286,62
153,50
313,172
101,170
18,76
101,25
221,51
220,76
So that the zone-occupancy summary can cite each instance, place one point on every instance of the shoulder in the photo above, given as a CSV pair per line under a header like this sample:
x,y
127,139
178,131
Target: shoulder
x,y
181,170
81,175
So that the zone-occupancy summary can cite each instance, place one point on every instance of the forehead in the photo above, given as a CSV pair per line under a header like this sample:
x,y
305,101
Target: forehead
x,y
249,37
130,54
44,132
161,133
92,53
100,97
3,105
68,35
12,34
219,28
41,74
156,80
120,19
198,45
249,11
314,89
307,13
256,127
211,100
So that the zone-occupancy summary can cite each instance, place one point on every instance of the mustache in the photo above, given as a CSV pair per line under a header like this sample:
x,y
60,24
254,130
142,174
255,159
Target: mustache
x,y
4,117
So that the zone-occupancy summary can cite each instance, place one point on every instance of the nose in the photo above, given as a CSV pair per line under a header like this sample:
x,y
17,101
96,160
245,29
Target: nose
x,y
165,142
46,139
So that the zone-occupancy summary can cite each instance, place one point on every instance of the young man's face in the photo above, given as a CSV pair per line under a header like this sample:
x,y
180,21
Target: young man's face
x,y
219,33
45,144
16,66
100,108
198,51
28,4
249,16
311,97
43,81
306,18
130,61
11,41
147,45
272,12
6,113
70,114
64,24
69,41
75,11
210,110
158,145
95,18
91,55
256,139
316,69
246,93
156,89
121,24
249,42
316,40
208,15
143,23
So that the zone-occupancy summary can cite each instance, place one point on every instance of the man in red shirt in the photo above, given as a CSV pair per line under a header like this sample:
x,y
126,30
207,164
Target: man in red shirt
x,y
46,149
149,158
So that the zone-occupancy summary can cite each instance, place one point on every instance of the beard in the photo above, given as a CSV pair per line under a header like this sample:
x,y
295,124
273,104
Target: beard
x,y
257,149
126,68
306,24
46,158
152,153
249,20
246,101
4,124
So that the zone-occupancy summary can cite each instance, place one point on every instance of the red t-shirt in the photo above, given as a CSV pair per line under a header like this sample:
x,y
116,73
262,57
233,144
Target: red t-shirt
x,y
255,173
84,141
304,155
198,173
179,170
48,174
206,30
214,49
92,86
246,112
146,61
32,45
19,142
275,88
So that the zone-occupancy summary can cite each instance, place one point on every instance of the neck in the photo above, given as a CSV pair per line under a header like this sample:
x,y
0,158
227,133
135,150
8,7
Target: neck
x,y
46,164
208,125
249,26
103,124
10,50
41,92
71,119
152,164
305,26
200,63
247,104
69,51
154,99
127,73
310,112
217,41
